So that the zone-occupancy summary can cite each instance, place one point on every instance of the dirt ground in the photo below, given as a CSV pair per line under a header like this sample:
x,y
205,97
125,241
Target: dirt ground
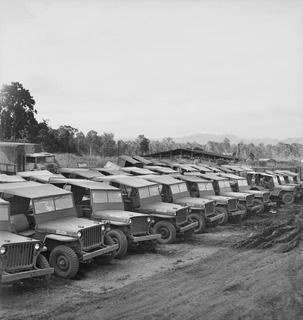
x,y
205,278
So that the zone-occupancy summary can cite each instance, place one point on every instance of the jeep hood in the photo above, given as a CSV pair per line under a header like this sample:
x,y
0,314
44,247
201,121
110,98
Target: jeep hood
x,y
7,237
220,199
117,215
238,195
192,202
66,226
164,208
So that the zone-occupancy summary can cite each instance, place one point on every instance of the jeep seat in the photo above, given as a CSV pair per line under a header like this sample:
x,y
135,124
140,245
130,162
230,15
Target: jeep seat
x,y
21,225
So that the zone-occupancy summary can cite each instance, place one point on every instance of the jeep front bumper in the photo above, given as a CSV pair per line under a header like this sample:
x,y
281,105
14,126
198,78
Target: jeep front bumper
x,y
237,213
190,226
89,255
270,204
253,209
216,217
148,237
9,277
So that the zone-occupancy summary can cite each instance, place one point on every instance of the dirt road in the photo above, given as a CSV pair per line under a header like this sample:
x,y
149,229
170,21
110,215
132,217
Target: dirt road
x,y
203,278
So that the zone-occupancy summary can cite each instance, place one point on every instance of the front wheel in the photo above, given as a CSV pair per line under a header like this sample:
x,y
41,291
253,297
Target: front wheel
x,y
288,198
65,262
260,204
167,230
195,217
224,219
119,238
42,263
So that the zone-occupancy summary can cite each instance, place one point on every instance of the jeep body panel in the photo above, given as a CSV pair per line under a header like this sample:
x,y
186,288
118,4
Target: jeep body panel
x,y
19,259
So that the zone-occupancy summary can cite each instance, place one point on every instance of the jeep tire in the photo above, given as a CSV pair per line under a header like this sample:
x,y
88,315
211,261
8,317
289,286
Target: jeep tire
x,y
288,198
223,221
65,262
119,238
42,263
260,204
167,230
196,217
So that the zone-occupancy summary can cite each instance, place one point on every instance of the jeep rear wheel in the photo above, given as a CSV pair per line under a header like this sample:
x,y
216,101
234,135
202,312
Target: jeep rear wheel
x,y
42,263
288,198
65,262
195,217
167,230
119,238
224,219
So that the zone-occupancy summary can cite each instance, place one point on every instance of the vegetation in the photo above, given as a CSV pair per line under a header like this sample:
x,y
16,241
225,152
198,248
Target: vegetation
x,y
18,123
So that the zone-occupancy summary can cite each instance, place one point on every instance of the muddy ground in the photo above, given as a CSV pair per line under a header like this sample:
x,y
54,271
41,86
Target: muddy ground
x,y
204,278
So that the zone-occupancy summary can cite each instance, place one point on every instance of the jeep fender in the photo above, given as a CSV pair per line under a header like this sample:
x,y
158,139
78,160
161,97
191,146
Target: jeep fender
x,y
60,238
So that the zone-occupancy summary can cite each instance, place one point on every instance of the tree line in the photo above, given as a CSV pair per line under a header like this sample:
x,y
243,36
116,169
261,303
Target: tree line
x,y
18,123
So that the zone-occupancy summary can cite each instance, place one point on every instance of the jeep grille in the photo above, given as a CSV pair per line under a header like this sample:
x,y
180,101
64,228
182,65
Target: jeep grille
x,y
92,237
181,216
210,208
139,225
249,200
232,204
266,197
20,256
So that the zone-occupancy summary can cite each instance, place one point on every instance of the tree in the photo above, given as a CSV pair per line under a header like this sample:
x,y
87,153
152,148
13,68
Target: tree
x,y
17,113
143,144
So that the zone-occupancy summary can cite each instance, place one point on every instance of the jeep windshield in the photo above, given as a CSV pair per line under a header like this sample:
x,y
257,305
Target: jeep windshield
x,y
147,192
3,213
106,197
51,204
205,186
224,184
178,188
242,183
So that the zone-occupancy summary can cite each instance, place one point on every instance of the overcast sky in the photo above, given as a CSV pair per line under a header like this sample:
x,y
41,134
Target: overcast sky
x,y
159,68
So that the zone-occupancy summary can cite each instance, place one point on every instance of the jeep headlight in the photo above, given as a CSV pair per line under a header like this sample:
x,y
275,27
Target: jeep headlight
x,y
2,250
79,234
129,221
148,219
37,246
103,228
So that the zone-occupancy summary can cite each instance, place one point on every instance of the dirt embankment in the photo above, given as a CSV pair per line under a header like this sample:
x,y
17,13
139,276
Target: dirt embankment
x,y
206,278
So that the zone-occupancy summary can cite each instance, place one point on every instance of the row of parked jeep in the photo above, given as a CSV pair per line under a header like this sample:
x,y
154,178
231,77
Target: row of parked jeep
x,y
49,223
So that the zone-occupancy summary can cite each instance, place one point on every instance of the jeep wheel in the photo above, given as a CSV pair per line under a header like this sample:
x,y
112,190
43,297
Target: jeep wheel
x,y
108,257
65,262
223,221
242,207
288,198
167,230
119,238
42,263
260,204
195,217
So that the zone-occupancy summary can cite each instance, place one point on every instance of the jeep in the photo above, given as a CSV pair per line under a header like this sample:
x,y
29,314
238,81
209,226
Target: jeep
x,y
175,191
239,184
47,213
80,173
222,187
140,195
261,181
202,188
20,256
103,202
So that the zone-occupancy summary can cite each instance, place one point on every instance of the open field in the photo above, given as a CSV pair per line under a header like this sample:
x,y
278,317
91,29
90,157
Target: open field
x,y
206,277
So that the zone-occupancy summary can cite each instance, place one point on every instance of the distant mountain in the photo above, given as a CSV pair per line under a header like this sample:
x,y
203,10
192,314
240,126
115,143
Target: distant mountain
x,y
203,138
